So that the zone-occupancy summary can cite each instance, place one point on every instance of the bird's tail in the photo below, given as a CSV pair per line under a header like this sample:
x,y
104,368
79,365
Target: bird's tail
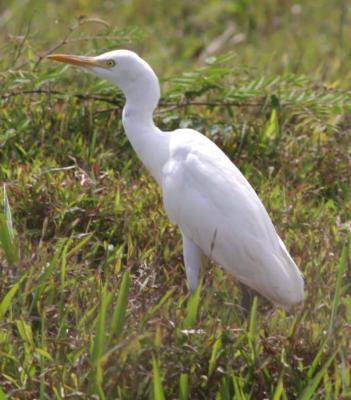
x,y
294,293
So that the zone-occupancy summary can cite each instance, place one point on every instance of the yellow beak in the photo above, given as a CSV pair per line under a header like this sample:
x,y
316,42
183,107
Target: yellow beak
x,y
81,61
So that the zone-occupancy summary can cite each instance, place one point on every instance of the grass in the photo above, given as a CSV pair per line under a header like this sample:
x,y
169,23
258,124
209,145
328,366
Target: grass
x,y
93,296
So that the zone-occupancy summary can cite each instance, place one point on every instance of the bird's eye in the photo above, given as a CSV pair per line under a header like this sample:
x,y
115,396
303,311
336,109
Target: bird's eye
x,y
110,63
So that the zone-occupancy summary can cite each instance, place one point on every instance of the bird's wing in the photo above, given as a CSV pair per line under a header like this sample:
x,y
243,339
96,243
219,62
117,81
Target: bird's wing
x,y
216,207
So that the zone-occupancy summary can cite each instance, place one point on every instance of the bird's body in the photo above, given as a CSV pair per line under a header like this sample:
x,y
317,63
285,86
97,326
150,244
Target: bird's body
x,y
221,213
218,212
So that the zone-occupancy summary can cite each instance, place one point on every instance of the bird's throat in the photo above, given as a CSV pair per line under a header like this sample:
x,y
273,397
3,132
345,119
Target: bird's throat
x,y
150,144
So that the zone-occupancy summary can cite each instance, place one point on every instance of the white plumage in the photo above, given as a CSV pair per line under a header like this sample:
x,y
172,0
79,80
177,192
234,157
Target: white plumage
x,y
218,212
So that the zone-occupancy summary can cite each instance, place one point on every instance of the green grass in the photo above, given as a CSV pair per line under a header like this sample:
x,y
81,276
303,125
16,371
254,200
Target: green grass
x,y
93,296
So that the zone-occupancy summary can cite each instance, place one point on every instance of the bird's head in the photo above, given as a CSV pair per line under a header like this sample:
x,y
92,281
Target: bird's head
x,y
122,67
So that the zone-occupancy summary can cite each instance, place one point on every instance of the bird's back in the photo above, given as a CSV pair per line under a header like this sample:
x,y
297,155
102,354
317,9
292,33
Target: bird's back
x,y
215,206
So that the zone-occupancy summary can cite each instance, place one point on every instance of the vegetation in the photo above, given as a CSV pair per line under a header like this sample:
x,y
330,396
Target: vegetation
x,y
93,296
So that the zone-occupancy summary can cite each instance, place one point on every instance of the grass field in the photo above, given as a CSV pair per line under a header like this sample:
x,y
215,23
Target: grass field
x,y
93,295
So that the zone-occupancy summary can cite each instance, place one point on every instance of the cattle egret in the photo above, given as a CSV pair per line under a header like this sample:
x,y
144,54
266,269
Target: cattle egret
x,y
218,212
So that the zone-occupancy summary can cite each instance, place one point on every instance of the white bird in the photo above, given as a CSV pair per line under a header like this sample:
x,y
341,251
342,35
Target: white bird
x,y
218,212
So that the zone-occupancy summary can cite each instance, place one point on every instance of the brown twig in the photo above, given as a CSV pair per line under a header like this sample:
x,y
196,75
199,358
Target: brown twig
x,y
66,40
23,40
209,103
49,92
119,102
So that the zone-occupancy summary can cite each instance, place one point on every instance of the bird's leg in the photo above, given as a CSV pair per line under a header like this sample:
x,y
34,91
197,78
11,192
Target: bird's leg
x,y
193,260
247,296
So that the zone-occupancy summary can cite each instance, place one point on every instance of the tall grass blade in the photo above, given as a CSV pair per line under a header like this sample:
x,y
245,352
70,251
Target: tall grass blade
x,y
317,359
156,307
239,393
25,332
184,387
8,214
252,334
92,146
279,390
226,390
81,244
45,277
98,382
120,310
100,343
215,353
192,308
6,301
157,380
100,337
6,242
310,389
7,233
63,279
2,395
328,387
339,278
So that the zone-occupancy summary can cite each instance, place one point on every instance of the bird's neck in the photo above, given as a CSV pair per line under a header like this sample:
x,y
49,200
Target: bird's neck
x,y
149,142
